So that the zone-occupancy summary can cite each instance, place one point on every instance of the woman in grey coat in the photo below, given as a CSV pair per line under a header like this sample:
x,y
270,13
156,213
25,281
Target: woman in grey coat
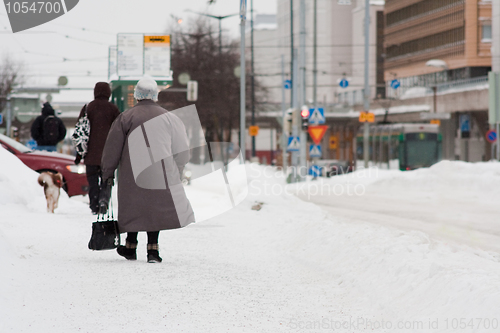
x,y
150,148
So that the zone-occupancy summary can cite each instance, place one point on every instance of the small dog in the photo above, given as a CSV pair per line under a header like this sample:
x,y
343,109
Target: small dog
x,y
52,183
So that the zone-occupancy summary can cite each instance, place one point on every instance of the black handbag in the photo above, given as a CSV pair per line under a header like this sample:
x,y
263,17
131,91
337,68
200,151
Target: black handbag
x,y
105,233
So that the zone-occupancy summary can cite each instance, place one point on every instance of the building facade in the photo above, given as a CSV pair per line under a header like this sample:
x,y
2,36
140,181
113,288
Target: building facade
x,y
457,32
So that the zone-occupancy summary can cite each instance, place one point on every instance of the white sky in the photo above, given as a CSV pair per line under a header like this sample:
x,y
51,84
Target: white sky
x,y
44,48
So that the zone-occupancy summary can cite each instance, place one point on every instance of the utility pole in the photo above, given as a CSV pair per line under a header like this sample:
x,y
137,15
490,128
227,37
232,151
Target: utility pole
x,y
366,129
284,154
303,100
315,56
253,75
291,54
243,133
8,121
295,114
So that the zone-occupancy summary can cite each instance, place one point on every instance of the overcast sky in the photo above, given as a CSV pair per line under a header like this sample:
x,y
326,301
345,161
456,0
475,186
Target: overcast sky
x,y
91,28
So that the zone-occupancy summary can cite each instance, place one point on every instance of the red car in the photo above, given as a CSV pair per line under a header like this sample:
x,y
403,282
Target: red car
x,y
74,177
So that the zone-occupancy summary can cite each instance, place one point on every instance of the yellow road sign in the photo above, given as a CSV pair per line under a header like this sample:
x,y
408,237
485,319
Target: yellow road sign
x,y
436,121
366,117
157,39
333,142
253,130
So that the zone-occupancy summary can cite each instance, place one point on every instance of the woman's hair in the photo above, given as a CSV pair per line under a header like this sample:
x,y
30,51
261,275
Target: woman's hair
x,y
146,88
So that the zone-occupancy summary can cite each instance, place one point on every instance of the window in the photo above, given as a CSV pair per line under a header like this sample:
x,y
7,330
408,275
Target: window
x,y
486,33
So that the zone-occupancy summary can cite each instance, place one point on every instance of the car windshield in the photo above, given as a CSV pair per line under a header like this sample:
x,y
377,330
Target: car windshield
x,y
14,144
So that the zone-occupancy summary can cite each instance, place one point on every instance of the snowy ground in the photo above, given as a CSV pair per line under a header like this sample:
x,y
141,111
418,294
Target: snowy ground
x,y
290,267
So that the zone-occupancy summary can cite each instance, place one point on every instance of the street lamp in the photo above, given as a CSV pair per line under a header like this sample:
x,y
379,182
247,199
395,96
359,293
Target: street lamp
x,y
437,63
220,18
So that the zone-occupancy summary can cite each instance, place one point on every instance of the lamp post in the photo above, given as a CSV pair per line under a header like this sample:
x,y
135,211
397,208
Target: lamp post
x,y
220,18
444,67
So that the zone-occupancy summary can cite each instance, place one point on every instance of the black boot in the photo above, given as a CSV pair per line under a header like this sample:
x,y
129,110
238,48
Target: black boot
x,y
129,251
153,254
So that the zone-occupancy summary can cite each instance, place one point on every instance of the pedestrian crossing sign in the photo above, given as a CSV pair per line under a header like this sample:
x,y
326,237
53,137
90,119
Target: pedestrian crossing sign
x,y
315,151
293,143
317,116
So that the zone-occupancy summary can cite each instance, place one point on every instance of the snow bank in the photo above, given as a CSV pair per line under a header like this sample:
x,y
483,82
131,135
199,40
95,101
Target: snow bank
x,y
479,178
19,186
18,183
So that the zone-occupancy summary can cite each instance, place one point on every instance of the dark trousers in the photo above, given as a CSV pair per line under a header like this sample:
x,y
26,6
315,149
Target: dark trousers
x,y
152,237
94,174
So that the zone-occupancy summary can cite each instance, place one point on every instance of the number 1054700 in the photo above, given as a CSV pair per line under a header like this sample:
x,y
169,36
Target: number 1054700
x,y
37,7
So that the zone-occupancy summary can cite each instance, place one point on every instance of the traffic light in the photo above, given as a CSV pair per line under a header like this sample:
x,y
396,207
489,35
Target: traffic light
x,y
287,126
305,118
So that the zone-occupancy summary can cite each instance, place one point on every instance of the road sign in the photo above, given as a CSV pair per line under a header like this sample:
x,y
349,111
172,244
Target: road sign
x,y
293,143
315,151
436,121
253,130
491,136
192,91
366,117
287,84
315,171
1,119
395,84
316,116
157,55
317,133
344,83
130,52
333,142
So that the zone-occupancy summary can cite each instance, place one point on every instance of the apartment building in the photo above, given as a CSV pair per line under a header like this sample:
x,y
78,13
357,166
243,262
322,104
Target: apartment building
x,y
334,40
457,32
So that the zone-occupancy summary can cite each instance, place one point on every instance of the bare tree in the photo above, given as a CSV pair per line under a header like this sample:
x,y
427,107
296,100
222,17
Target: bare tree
x,y
197,53
11,75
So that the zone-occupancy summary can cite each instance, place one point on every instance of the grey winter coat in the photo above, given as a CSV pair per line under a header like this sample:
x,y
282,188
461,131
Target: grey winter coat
x,y
150,148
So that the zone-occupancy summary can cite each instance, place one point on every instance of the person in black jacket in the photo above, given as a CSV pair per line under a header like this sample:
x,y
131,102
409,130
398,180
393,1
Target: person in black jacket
x,y
101,114
48,129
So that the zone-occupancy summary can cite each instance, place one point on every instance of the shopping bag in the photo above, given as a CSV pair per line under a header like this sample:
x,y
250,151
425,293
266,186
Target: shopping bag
x,y
105,233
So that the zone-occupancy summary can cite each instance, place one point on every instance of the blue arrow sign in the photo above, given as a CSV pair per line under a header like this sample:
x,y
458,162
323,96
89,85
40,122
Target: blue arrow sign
x,y
315,171
317,116
464,123
344,83
315,151
293,143
395,84
287,84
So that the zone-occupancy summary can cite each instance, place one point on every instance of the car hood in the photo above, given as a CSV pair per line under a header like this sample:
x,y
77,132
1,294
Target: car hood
x,y
67,158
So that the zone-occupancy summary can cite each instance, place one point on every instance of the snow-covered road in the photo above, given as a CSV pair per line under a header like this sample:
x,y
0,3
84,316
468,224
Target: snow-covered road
x,y
290,267
453,202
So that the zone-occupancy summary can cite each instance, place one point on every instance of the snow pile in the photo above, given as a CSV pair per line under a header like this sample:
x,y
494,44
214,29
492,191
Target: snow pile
x,y
18,183
450,176
19,186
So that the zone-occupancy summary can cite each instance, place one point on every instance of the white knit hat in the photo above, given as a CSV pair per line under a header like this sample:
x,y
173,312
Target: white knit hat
x,y
146,88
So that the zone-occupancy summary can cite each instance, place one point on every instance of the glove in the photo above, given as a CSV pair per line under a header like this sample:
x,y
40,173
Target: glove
x,y
105,195
78,159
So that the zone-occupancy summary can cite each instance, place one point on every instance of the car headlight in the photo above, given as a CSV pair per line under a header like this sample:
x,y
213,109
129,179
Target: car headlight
x,y
187,174
79,169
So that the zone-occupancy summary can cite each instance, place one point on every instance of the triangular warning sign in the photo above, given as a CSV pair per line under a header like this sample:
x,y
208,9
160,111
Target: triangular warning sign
x,y
317,133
